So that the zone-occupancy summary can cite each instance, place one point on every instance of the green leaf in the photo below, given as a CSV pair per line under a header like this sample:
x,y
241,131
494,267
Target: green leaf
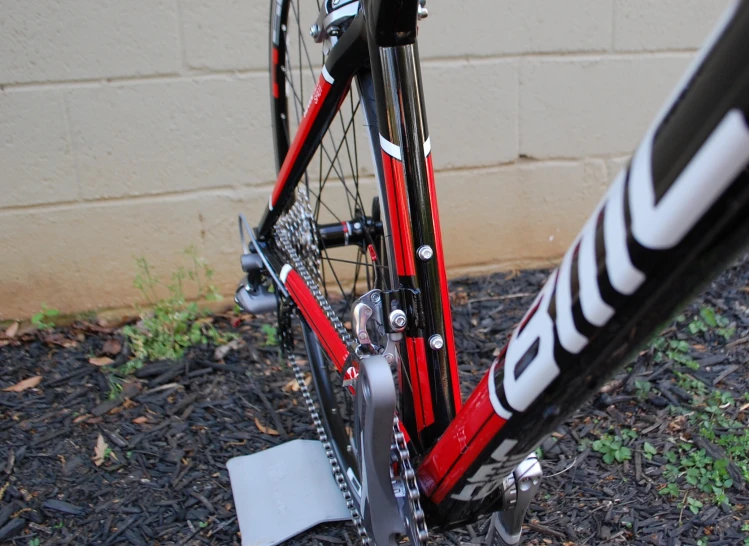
x,y
692,364
649,449
708,316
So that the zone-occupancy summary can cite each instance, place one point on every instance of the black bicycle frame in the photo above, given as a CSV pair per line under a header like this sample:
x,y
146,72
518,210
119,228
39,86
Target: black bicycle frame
x,y
675,216
384,42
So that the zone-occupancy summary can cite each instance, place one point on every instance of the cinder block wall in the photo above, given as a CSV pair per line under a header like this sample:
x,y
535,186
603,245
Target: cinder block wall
x,y
140,127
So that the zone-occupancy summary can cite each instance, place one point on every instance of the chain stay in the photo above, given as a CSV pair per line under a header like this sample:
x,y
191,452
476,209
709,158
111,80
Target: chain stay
x,y
298,224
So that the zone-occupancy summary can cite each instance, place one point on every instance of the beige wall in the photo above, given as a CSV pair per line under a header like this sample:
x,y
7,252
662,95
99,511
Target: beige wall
x,y
139,127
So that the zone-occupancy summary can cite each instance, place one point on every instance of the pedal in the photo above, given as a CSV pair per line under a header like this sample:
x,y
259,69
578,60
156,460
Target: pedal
x,y
283,491
256,302
520,488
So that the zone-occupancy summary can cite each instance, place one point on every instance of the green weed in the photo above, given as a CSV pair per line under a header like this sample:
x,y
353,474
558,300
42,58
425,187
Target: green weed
x,y
44,319
173,324
648,450
613,449
271,335
672,349
709,320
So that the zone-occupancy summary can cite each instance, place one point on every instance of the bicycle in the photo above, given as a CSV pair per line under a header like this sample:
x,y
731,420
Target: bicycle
x,y
354,250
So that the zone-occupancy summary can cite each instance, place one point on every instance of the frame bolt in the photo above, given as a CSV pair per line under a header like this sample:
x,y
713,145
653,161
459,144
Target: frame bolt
x,y
398,320
375,298
314,31
425,253
390,358
436,342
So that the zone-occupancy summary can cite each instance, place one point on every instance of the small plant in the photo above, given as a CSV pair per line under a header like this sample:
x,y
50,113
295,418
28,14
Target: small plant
x,y
694,505
672,349
173,324
36,541
44,319
642,389
648,450
671,489
115,387
709,319
689,383
271,335
613,449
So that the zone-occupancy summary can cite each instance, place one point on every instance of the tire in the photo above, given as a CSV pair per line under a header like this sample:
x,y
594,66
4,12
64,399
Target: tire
x,y
341,184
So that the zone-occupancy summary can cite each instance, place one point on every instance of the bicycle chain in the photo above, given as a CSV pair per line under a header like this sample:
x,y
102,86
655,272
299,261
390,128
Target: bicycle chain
x,y
298,220
416,515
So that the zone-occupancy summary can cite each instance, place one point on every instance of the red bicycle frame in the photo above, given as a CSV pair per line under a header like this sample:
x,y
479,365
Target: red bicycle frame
x,y
676,215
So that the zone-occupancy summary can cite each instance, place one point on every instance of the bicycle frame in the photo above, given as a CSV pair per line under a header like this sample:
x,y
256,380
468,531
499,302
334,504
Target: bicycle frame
x,y
678,213
408,194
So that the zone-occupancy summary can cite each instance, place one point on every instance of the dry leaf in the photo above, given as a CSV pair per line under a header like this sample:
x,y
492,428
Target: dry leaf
x,y
101,361
21,386
265,430
81,418
12,330
223,350
60,339
100,451
292,385
112,347
140,420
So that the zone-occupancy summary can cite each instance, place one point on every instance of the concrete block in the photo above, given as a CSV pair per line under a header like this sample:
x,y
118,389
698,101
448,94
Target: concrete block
x,y
91,247
170,136
84,39
650,25
227,34
573,107
488,28
36,159
522,213
472,112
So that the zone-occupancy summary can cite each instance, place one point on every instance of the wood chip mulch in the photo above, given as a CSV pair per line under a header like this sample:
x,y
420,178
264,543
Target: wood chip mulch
x,y
82,462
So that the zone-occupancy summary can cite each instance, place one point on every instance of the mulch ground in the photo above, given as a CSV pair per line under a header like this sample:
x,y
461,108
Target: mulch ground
x,y
82,463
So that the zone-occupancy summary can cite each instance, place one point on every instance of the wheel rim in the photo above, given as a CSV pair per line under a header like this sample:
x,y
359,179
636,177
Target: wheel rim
x,y
341,187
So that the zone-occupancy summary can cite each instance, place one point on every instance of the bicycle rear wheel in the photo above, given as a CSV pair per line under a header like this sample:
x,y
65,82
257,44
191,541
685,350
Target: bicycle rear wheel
x,y
336,224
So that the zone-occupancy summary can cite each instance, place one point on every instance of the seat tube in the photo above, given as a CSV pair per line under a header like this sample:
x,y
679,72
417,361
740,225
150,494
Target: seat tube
x,y
428,351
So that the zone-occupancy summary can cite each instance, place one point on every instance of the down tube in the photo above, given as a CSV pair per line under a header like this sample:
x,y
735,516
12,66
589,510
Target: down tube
x,y
674,217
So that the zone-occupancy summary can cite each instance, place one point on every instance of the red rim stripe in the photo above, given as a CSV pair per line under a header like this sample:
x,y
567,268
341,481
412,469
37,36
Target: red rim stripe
x,y
274,58
316,319
318,98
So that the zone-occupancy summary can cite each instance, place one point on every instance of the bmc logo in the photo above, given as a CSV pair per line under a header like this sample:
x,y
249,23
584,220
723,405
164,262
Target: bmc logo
x,y
631,221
